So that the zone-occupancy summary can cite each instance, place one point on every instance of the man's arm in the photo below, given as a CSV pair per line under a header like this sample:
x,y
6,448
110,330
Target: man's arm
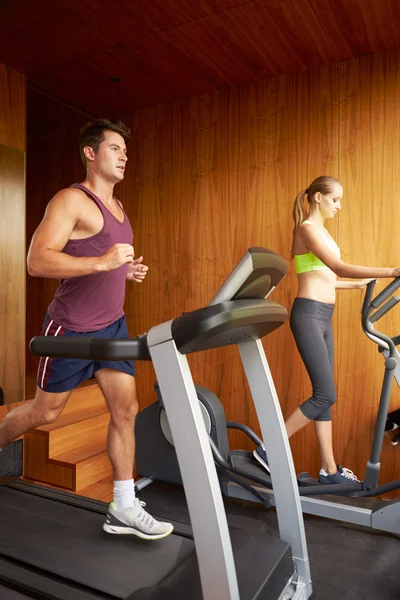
x,y
45,256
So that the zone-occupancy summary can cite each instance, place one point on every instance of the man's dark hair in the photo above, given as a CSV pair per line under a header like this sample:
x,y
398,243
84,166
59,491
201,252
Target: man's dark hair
x,y
92,134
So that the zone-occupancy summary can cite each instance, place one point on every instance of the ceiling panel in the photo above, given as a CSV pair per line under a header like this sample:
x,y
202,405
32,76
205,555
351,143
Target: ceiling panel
x,y
162,50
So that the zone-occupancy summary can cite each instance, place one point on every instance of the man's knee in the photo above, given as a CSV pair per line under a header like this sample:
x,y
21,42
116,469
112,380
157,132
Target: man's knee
x,y
50,416
46,413
124,412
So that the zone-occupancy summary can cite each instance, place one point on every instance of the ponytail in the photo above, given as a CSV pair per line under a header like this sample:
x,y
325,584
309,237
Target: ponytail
x,y
299,213
324,185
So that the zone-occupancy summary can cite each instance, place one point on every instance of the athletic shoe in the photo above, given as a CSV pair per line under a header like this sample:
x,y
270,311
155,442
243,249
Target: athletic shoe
x,y
136,521
342,475
260,455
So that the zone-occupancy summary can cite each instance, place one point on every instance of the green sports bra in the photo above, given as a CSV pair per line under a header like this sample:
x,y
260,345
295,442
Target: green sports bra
x,y
309,262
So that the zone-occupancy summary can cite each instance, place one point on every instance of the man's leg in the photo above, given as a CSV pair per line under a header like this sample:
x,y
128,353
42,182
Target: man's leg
x,y
43,410
126,513
119,390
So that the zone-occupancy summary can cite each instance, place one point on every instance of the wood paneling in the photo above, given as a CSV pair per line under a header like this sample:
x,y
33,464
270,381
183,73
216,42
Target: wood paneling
x,y
213,176
53,163
12,233
164,197
247,152
12,273
12,108
97,25
169,49
368,227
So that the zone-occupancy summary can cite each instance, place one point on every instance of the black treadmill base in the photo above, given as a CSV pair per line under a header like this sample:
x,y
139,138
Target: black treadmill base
x,y
264,564
53,546
10,594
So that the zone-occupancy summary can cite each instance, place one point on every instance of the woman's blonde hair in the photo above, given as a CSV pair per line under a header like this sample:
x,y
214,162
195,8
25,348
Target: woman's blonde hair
x,y
323,185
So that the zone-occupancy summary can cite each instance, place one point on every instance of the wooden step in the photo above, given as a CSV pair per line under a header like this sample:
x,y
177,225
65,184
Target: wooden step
x,y
37,466
90,463
75,469
91,470
86,397
81,453
71,418
101,490
72,451
83,427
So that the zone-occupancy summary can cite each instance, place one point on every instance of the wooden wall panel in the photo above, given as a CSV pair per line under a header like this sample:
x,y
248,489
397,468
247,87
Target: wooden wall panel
x,y
213,176
12,271
53,162
368,226
12,233
163,195
209,176
12,108
308,147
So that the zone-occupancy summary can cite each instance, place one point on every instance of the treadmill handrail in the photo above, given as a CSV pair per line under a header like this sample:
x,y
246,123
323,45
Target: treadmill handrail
x,y
226,324
205,328
91,347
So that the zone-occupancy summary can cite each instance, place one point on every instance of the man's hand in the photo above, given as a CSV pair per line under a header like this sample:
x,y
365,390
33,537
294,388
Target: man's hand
x,y
136,270
117,255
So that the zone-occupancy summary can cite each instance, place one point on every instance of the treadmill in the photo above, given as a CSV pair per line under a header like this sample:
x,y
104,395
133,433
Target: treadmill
x,y
52,544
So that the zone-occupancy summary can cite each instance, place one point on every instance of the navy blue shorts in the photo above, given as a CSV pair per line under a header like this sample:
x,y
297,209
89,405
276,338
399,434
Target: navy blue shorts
x,y
64,374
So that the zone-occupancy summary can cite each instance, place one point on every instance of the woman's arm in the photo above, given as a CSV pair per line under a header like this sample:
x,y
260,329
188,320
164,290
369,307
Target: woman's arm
x,y
356,284
314,242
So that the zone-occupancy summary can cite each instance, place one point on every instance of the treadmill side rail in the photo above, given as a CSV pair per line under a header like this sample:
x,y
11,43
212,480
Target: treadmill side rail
x,y
273,430
202,490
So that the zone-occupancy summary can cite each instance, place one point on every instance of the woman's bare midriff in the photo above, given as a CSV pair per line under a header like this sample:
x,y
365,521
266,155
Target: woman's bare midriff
x,y
317,285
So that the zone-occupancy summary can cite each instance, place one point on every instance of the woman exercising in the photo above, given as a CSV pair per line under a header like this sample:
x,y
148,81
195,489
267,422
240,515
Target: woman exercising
x,y
318,263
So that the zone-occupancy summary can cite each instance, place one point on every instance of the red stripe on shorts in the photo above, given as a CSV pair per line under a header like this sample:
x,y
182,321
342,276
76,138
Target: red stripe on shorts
x,y
51,328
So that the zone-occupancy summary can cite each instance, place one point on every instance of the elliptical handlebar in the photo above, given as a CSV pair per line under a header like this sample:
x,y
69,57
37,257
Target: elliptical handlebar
x,y
386,292
368,296
389,304
368,317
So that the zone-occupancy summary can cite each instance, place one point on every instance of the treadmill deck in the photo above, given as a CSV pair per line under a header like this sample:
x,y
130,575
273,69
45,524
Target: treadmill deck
x,y
57,540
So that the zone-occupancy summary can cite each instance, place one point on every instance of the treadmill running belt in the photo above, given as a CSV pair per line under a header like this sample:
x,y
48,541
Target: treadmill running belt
x,y
7,594
52,546
69,542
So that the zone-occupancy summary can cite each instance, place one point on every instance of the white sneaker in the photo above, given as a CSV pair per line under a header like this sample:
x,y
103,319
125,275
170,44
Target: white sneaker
x,y
135,520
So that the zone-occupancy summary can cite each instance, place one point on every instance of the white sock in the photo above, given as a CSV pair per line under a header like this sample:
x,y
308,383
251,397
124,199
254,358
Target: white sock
x,y
124,494
323,472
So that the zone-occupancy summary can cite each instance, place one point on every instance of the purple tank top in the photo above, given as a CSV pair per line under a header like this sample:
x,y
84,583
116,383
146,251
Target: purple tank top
x,y
92,302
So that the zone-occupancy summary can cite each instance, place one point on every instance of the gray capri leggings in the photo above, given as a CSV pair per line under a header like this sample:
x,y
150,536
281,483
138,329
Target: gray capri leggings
x,y
311,325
